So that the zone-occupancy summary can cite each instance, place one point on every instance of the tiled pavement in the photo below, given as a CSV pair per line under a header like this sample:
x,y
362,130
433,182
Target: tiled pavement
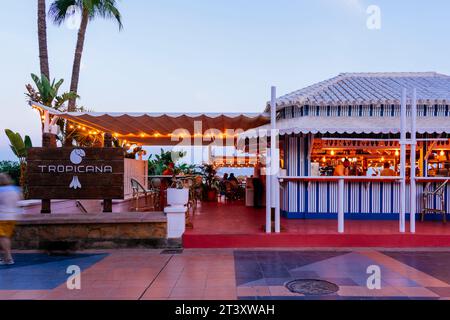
x,y
227,274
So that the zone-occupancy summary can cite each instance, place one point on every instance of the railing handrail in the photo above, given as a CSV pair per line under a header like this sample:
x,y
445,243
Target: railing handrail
x,y
334,178
360,179
432,178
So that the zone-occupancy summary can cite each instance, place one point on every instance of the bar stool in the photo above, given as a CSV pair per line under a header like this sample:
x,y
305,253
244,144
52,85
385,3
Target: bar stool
x,y
439,193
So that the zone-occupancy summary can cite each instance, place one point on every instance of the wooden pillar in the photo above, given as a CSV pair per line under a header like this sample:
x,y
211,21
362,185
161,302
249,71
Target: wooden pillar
x,y
48,141
107,143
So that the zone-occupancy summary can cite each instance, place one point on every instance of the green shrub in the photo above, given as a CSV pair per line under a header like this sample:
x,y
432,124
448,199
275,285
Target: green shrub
x,y
12,168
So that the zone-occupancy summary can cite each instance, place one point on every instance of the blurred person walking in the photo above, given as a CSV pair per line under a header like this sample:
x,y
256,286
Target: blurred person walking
x,y
9,195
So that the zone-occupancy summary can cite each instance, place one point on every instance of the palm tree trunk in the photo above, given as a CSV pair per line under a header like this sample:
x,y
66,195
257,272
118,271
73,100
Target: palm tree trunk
x,y
42,38
77,58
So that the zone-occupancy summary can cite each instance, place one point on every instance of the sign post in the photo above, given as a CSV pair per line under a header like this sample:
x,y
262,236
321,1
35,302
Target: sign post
x,y
107,143
48,141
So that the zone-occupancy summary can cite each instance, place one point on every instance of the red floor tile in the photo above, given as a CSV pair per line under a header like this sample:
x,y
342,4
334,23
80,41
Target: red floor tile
x,y
233,225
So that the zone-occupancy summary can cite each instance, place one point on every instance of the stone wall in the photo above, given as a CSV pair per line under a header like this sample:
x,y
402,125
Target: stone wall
x,y
102,231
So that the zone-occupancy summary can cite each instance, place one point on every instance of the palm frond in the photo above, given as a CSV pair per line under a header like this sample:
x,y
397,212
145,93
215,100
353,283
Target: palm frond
x,y
59,10
28,143
60,100
17,143
107,9
57,85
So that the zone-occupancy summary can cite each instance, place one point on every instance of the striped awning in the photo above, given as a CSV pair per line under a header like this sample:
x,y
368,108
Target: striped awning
x,y
350,125
161,129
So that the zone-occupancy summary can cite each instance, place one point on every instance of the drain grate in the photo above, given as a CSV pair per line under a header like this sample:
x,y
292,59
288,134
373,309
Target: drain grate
x,y
172,251
312,287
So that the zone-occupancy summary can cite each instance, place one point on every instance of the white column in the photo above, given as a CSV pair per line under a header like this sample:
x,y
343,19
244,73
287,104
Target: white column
x,y
46,121
341,218
268,193
403,162
413,161
275,161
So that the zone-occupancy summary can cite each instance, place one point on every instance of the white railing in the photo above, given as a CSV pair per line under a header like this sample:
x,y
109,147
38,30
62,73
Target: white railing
x,y
341,186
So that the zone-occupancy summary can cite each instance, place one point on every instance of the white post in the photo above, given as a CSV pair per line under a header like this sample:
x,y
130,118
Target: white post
x,y
403,162
274,160
268,196
46,121
413,161
277,198
341,219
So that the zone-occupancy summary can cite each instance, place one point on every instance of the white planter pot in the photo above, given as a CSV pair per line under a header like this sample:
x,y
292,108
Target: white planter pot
x,y
176,221
177,197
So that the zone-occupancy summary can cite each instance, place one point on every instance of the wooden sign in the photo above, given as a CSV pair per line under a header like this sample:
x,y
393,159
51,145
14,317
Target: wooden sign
x,y
75,173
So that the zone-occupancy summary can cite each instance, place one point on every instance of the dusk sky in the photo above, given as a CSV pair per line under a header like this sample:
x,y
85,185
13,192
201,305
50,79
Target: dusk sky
x,y
216,55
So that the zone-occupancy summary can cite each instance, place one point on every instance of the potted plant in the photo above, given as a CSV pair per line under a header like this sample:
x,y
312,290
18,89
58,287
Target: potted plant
x,y
177,194
163,163
211,183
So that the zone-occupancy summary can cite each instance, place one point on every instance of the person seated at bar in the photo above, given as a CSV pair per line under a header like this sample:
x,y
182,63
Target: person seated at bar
x,y
341,170
232,178
222,184
387,171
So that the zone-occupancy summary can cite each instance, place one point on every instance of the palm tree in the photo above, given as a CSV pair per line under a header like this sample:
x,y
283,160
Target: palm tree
x,y
47,94
90,9
42,37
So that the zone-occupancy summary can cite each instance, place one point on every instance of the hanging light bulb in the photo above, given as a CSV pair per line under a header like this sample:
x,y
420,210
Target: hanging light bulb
x,y
442,153
397,153
333,153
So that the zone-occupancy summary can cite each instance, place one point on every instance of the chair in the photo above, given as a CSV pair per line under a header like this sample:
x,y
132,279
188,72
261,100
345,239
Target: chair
x,y
156,183
439,193
139,191
231,190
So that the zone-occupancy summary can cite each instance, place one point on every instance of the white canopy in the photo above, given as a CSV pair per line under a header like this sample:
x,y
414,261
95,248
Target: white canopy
x,y
349,125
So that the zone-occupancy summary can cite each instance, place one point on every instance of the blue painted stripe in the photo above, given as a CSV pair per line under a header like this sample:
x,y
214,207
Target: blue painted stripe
x,y
356,216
